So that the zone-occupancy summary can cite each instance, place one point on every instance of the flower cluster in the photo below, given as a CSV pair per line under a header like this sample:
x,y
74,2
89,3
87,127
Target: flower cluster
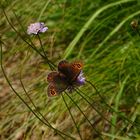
x,y
36,28
79,82
80,79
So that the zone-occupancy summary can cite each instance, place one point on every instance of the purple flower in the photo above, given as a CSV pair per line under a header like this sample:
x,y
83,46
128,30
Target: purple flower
x,y
36,28
79,82
80,79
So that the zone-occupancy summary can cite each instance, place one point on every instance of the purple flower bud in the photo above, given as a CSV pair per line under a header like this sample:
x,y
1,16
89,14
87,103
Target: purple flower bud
x,y
36,28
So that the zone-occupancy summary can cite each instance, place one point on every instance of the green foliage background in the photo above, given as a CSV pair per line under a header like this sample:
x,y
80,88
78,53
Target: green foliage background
x,y
98,33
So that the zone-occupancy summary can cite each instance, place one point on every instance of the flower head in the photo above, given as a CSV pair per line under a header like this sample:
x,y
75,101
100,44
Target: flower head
x,y
79,82
36,28
80,79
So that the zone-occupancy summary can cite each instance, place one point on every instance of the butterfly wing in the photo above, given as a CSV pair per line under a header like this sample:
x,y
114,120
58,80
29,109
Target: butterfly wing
x,y
52,90
57,83
63,67
70,70
75,68
51,76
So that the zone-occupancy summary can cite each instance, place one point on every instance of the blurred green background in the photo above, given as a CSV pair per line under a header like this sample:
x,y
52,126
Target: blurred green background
x,y
98,33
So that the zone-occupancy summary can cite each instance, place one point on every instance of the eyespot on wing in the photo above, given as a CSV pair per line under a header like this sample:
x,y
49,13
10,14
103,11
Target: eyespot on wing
x,y
52,91
77,65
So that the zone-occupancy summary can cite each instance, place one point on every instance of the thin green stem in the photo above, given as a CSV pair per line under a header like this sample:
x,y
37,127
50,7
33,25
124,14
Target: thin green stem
x,y
117,101
72,117
31,45
17,94
94,108
51,65
60,133
112,109
73,43
85,116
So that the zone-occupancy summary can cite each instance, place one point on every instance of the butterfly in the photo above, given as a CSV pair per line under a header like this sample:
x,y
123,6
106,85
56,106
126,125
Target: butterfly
x,y
67,77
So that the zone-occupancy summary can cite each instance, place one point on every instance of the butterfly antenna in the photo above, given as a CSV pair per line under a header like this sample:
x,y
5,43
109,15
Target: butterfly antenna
x,y
72,117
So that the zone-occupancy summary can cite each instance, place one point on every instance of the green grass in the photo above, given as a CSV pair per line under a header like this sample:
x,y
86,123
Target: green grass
x,y
97,33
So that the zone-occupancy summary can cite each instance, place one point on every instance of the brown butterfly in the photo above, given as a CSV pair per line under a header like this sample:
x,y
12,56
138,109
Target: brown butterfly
x,y
68,76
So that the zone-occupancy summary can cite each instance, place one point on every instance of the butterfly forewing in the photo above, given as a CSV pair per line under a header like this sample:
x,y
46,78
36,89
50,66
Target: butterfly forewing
x,y
70,70
63,67
75,69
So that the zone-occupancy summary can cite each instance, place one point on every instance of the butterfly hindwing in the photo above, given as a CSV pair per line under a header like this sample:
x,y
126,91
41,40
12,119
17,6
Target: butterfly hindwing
x,y
57,83
51,76
52,91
